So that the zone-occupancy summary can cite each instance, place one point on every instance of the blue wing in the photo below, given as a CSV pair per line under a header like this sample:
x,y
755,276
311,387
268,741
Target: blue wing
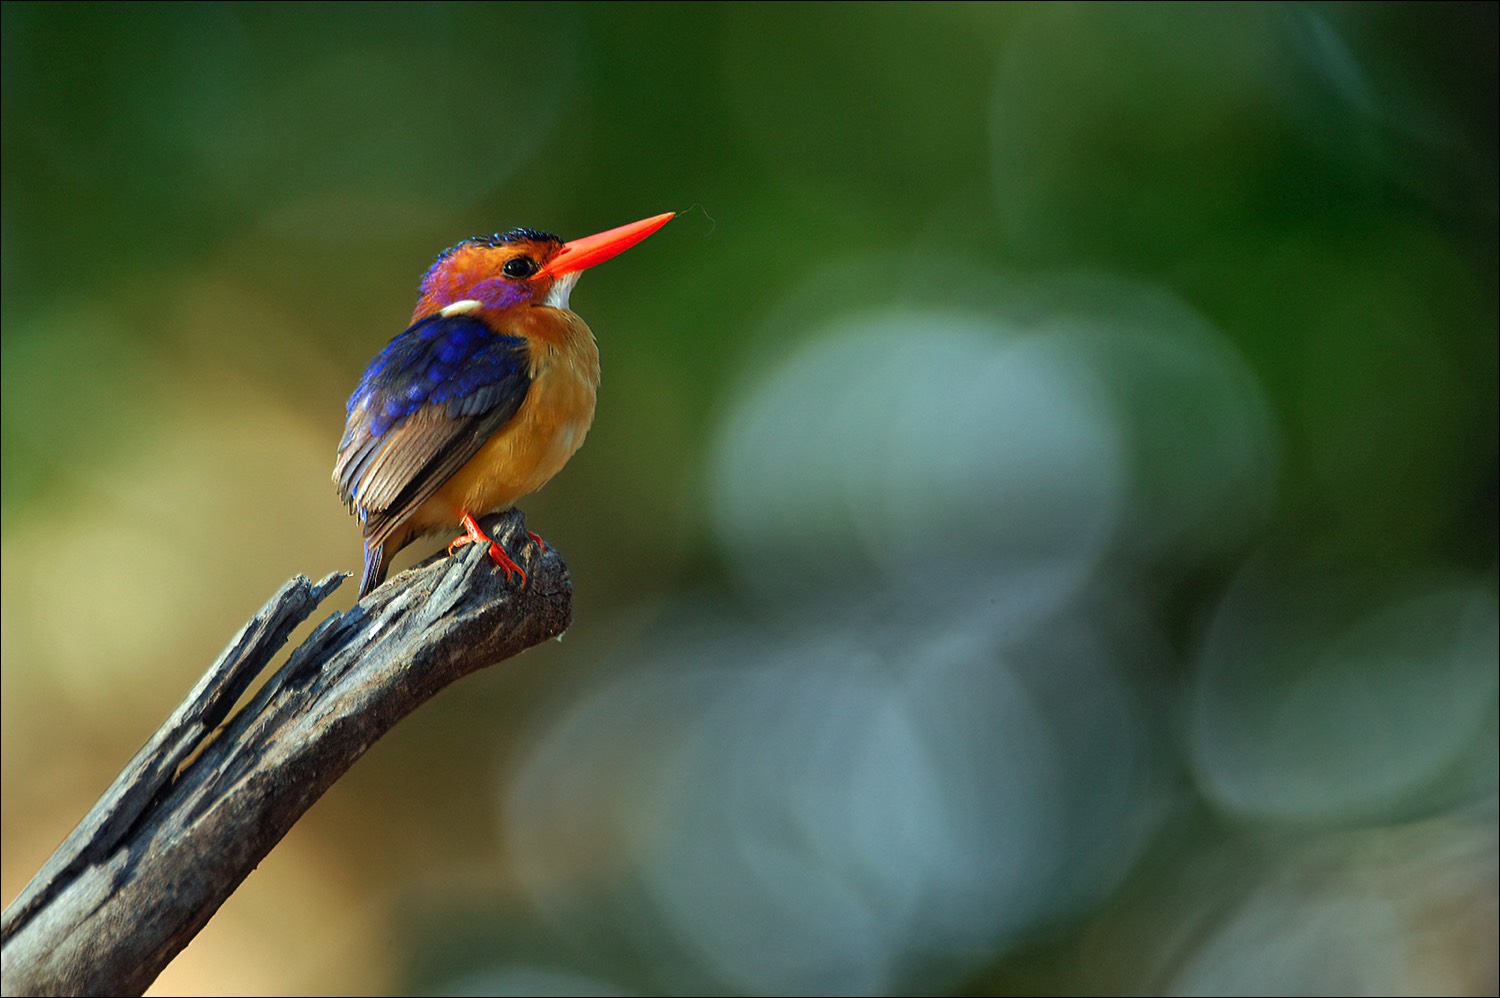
x,y
425,406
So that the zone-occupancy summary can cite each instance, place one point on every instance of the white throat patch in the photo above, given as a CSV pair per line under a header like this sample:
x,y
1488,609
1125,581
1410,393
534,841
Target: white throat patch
x,y
557,297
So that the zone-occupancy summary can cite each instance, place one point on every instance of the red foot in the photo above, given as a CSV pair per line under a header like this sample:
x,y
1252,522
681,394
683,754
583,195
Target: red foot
x,y
539,542
473,535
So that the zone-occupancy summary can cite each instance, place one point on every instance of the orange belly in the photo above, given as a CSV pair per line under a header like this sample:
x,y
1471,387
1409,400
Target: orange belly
x,y
525,453
519,459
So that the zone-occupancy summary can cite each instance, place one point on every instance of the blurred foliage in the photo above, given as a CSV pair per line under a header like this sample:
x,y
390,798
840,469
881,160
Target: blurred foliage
x,y
1039,534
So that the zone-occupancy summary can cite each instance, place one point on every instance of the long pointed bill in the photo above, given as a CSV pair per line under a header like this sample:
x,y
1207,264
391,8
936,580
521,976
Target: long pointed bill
x,y
580,254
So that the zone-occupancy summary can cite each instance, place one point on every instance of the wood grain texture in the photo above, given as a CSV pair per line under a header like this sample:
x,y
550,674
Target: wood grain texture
x,y
212,792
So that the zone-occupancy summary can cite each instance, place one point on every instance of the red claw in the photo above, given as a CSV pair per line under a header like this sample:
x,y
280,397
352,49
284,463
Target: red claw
x,y
474,535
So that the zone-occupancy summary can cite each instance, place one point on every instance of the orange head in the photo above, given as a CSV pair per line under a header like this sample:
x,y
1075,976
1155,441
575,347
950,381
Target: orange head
x,y
520,267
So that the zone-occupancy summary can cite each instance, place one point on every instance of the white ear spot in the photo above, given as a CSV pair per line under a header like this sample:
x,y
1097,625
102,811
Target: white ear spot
x,y
462,307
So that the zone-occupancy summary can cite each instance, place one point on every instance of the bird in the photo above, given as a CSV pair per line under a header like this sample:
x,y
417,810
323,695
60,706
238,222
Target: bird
x,y
482,399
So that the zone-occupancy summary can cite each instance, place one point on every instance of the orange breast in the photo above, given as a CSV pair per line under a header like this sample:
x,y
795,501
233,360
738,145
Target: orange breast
x,y
545,432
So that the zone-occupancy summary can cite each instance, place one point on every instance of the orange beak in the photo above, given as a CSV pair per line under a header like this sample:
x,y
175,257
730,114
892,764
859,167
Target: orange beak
x,y
580,254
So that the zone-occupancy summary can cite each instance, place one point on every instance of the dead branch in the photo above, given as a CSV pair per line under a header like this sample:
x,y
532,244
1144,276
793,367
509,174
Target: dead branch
x,y
212,792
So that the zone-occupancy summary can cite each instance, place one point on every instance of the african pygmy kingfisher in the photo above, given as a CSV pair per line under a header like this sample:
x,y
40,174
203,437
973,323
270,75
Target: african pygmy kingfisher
x,y
482,399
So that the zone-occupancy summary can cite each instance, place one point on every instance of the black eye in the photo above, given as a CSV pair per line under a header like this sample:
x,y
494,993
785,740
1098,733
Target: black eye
x,y
519,267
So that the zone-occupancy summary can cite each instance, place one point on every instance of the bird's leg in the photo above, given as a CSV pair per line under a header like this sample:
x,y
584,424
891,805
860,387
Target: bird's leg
x,y
474,535
539,542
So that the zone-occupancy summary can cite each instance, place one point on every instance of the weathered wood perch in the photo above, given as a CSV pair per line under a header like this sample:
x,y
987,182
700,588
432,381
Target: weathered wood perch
x,y
211,794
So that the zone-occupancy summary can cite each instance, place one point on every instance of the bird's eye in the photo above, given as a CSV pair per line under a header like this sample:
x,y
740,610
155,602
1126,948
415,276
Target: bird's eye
x,y
519,267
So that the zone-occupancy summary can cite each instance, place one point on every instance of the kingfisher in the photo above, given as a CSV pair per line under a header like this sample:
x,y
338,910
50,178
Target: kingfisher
x,y
482,399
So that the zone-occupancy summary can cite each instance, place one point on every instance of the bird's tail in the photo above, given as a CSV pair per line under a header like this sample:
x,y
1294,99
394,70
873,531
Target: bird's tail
x,y
376,564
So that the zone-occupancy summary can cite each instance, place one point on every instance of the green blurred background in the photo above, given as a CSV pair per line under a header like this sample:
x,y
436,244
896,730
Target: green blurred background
x,y
1038,535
